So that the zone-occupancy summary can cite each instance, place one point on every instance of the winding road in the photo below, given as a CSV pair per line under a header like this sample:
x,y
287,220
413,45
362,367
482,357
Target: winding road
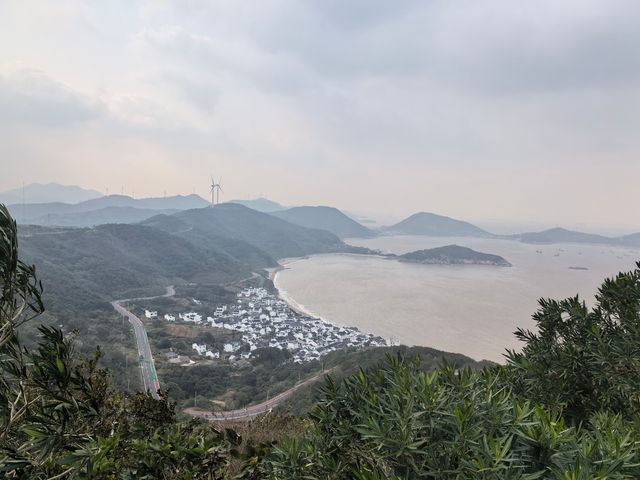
x,y
252,411
145,357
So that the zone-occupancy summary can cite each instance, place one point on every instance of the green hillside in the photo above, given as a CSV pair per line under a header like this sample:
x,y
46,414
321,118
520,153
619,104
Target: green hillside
x,y
87,268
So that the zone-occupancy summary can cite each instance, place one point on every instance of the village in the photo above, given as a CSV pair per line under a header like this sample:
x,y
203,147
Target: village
x,y
267,321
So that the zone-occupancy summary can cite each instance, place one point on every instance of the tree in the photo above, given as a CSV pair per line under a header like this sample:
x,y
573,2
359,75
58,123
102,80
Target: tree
x,y
583,360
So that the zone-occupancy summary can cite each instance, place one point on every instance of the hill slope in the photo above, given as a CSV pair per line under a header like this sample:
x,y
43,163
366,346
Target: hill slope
x,y
632,240
325,218
272,235
425,223
260,204
86,268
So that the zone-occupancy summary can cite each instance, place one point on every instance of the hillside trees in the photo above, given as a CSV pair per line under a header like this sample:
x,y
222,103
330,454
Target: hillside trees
x,y
60,417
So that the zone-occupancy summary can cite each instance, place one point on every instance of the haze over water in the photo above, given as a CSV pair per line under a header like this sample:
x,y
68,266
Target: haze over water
x,y
468,309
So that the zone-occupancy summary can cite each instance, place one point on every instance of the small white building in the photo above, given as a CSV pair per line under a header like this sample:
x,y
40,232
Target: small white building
x,y
169,318
150,314
191,317
232,347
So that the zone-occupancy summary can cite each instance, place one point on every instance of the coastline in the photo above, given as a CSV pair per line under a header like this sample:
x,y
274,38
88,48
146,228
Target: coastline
x,y
292,303
284,295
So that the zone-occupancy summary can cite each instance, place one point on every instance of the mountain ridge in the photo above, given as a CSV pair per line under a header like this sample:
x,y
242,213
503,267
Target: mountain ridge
x,y
326,218
431,224
261,204
271,234
48,193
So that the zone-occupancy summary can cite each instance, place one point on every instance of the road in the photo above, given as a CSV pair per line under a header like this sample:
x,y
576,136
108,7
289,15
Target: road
x,y
145,357
254,410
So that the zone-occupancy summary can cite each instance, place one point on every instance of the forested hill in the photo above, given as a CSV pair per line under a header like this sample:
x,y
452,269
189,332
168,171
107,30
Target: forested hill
x,y
83,269
453,255
325,218
272,235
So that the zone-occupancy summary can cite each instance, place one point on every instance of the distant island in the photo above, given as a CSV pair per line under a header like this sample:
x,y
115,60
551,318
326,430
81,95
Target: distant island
x,y
453,255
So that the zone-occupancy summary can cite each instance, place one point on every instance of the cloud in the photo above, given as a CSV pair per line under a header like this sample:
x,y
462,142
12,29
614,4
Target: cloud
x,y
30,96
446,101
498,46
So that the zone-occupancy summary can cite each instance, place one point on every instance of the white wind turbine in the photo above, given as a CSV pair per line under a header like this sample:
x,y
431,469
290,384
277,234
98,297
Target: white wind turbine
x,y
216,188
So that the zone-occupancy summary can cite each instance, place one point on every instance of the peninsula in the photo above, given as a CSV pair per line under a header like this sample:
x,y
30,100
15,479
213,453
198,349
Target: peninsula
x,y
453,255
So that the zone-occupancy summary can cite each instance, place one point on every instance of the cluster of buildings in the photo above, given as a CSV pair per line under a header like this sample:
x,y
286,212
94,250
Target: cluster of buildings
x,y
267,321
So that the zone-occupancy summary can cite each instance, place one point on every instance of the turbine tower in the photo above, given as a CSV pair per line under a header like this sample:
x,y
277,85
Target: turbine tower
x,y
216,188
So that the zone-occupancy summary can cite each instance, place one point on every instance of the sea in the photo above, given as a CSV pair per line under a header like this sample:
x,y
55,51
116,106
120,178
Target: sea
x,y
468,309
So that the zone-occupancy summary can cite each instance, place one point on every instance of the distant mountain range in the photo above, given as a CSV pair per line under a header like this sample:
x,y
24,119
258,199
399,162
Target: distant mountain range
x,y
72,206
430,224
561,235
325,218
45,193
260,204
106,209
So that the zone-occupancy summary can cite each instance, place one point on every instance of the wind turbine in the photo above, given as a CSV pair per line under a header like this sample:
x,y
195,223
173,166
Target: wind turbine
x,y
216,188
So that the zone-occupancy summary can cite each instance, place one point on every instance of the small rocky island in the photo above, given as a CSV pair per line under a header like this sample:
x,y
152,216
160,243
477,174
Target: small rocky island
x,y
453,255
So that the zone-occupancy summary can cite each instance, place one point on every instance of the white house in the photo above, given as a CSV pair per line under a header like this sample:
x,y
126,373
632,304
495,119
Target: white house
x,y
150,314
169,318
232,347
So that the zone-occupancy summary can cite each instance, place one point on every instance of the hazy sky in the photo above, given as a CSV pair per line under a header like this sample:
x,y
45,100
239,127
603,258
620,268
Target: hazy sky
x,y
521,110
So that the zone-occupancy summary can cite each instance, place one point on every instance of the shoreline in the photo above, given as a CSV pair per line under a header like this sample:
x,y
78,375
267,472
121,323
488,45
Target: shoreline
x,y
299,308
285,296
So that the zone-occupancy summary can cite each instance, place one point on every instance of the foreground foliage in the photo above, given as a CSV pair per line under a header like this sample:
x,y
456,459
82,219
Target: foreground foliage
x,y
402,423
566,407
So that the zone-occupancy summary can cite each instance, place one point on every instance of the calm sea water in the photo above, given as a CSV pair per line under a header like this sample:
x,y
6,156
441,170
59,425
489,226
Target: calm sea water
x,y
468,309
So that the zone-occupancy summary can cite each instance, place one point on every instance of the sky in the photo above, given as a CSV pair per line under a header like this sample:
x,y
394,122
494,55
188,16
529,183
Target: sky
x,y
490,110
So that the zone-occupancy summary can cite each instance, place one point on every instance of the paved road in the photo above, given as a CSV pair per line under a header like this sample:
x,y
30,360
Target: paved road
x,y
147,365
254,410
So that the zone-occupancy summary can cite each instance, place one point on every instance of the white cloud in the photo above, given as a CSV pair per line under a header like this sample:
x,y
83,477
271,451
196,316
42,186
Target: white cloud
x,y
30,96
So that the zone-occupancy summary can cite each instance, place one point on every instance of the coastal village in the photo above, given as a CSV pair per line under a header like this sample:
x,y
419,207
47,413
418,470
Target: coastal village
x,y
267,321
